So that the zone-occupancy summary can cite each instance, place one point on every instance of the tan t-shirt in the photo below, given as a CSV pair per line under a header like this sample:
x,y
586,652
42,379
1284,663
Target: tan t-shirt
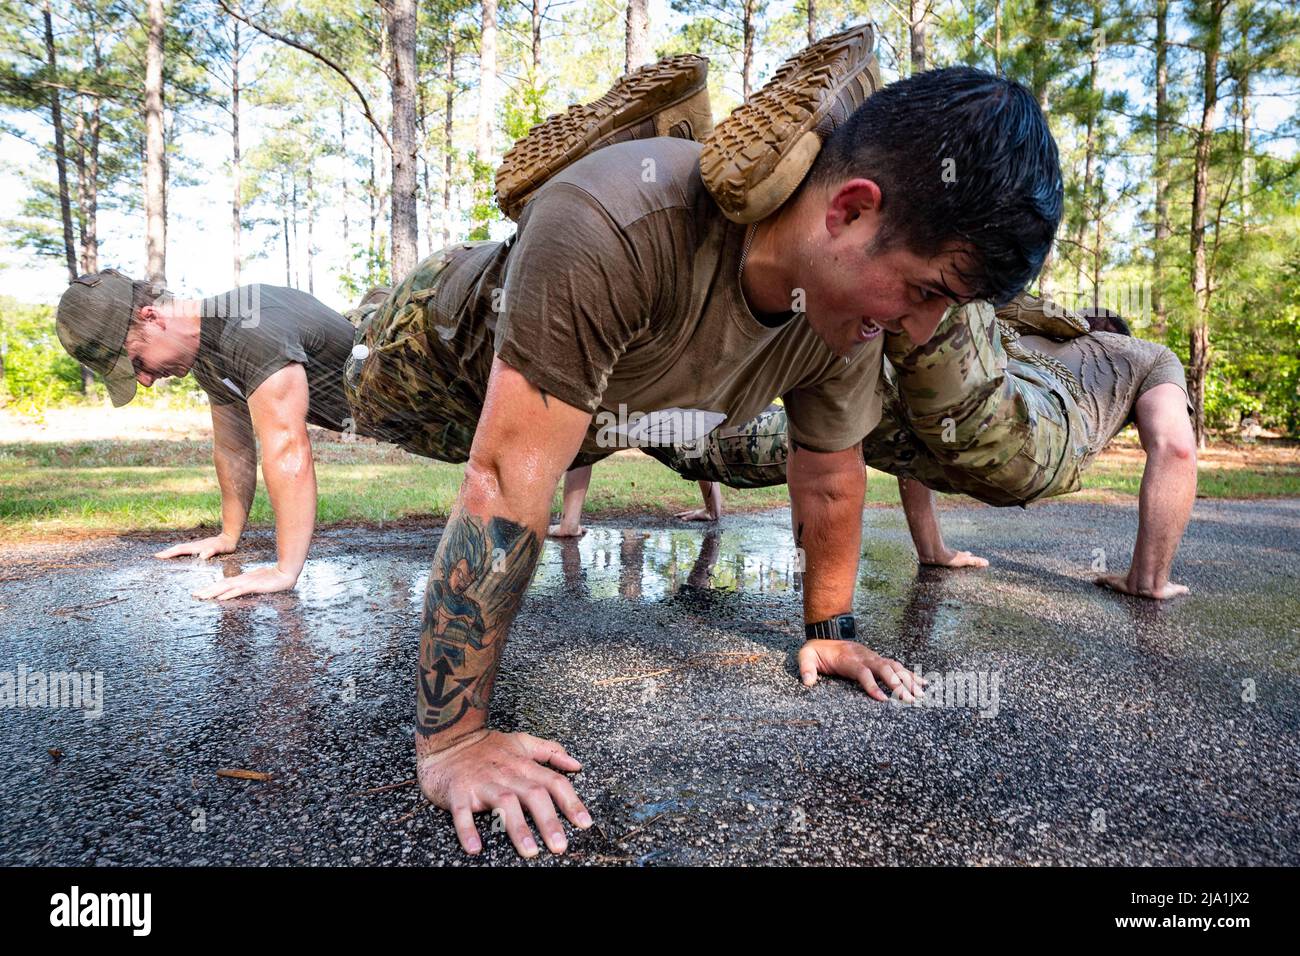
x,y
620,294
1114,371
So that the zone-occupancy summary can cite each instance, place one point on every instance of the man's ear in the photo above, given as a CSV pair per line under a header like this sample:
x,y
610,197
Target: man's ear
x,y
853,199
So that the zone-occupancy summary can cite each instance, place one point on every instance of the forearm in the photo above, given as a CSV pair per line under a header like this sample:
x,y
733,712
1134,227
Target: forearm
x,y
290,476
237,478
482,567
828,532
922,520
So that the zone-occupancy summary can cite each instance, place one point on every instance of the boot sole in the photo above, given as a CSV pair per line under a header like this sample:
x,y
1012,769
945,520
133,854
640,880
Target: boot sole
x,y
564,137
759,155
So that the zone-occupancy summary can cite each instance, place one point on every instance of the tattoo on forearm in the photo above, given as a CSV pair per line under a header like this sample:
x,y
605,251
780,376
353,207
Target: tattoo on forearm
x,y
479,577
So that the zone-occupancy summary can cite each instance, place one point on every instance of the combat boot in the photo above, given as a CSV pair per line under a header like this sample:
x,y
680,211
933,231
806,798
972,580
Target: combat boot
x,y
668,98
759,155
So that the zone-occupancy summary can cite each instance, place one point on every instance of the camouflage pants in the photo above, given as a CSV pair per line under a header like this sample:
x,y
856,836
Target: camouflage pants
x,y
751,455
404,383
1004,435
953,418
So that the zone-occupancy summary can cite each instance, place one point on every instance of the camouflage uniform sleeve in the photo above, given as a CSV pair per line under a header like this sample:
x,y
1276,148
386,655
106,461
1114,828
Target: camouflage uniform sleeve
x,y
1004,435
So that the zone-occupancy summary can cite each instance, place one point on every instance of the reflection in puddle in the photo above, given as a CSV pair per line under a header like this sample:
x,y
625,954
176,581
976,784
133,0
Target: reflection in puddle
x,y
649,565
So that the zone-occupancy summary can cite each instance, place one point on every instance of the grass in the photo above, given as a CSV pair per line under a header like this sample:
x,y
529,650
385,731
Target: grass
x,y
121,485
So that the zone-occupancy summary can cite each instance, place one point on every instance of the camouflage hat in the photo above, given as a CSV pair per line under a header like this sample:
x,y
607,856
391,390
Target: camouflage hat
x,y
92,320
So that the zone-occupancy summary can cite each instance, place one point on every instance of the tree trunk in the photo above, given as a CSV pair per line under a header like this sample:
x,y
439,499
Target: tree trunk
x,y
1161,170
1087,207
236,171
636,48
487,99
401,16
1039,76
345,178
60,153
1243,111
1199,337
284,227
311,232
997,37
812,22
448,121
373,195
154,173
916,17
297,248
87,152
748,29
537,40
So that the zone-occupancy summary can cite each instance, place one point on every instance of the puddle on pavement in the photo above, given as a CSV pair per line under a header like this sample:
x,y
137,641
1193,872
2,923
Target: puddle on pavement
x,y
364,586
650,565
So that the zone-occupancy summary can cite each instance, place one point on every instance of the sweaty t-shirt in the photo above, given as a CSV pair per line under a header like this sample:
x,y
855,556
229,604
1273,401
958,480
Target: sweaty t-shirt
x,y
1114,371
620,294
250,333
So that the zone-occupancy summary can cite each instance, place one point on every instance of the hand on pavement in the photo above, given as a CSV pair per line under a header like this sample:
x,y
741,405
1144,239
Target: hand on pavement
x,y
207,548
505,773
857,662
258,581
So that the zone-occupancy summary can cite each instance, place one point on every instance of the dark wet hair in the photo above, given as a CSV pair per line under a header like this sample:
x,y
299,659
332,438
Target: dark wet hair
x,y
961,156
1105,320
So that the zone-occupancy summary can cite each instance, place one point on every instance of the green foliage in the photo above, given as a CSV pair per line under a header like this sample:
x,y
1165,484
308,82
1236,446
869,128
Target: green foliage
x,y
37,371
369,269
484,211
523,114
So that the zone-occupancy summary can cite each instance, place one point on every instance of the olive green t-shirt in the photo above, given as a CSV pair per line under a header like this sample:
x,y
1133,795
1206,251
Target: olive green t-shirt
x,y
620,294
248,334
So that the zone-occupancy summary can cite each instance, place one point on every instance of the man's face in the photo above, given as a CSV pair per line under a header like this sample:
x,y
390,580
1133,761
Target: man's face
x,y
855,290
155,352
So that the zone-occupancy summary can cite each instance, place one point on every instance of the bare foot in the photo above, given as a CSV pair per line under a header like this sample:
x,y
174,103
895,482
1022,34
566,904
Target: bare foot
x,y
565,531
1120,583
956,559
697,514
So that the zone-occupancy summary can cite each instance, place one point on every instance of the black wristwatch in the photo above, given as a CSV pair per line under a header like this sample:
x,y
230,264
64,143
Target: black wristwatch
x,y
841,627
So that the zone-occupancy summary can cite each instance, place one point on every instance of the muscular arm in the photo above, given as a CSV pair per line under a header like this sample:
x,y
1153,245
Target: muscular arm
x,y
278,412
489,551
1167,494
826,495
234,454
927,536
484,562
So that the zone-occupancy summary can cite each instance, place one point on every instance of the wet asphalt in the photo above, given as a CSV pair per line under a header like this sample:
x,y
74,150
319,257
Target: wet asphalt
x,y
1076,726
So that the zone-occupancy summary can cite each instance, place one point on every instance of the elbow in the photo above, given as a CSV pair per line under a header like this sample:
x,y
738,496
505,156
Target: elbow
x,y
287,453
483,480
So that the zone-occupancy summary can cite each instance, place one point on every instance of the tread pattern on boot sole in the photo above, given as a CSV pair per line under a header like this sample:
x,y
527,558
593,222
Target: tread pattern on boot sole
x,y
562,137
749,144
